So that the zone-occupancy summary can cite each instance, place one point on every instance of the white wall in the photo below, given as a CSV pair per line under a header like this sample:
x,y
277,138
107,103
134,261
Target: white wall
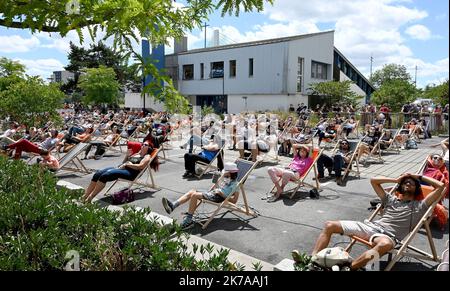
x,y
135,100
263,102
274,70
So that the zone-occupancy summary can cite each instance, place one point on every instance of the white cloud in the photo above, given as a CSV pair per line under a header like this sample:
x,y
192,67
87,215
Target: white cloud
x,y
17,44
419,32
41,67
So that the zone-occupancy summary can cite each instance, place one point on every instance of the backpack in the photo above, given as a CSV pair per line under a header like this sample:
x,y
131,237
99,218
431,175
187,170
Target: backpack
x,y
330,257
411,144
123,196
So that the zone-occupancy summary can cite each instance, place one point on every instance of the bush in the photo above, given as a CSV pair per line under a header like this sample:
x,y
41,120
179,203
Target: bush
x,y
40,224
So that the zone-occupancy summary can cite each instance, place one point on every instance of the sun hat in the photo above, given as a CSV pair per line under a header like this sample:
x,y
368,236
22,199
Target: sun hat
x,y
230,167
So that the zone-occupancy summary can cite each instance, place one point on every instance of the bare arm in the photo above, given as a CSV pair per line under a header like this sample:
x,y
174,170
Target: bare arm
x,y
376,184
211,147
436,193
141,165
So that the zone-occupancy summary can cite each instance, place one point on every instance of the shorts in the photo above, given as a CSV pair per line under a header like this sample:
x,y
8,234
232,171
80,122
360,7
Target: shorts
x,y
363,230
212,197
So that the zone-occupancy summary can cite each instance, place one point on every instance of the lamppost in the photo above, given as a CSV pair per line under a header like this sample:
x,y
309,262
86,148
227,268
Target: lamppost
x,y
245,100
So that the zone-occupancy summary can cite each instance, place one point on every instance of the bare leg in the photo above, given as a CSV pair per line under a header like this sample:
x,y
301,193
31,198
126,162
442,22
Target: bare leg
x,y
323,240
193,203
89,190
99,187
186,197
382,246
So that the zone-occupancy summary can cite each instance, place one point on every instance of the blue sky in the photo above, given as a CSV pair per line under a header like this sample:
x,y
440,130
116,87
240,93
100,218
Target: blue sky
x,y
408,32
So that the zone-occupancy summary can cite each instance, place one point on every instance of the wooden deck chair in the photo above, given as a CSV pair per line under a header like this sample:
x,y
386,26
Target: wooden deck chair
x,y
316,153
71,158
393,145
147,169
209,167
354,159
404,247
245,168
375,154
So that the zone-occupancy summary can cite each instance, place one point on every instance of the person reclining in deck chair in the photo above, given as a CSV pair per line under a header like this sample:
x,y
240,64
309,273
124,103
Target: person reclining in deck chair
x,y
47,161
369,141
128,171
435,168
24,145
400,217
102,144
336,163
68,141
299,165
219,194
209,151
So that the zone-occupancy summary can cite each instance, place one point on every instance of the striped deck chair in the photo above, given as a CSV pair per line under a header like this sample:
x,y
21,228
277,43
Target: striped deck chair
x,y
71,162
136,181
316,153
245,168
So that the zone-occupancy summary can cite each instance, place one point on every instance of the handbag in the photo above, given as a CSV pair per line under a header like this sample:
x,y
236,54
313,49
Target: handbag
x,y
123,196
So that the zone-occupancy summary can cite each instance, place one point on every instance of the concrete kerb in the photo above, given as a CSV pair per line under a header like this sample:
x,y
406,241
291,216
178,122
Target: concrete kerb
x,y
233,257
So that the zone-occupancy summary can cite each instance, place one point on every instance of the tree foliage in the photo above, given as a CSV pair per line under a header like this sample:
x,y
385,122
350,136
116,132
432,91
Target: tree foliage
x,y
101,55
395,93
10,72
389,73
31,101
125,20
100,85
438,93
337,92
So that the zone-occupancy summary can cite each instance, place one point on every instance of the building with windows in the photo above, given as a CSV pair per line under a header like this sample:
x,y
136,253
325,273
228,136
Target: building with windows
x,y
61,76
261,75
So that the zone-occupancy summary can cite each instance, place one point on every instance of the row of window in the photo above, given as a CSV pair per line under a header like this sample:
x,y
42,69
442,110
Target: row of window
x,y
217,70
318,71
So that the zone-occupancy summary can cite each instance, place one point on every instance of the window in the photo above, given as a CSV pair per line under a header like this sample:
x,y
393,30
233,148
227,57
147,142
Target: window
x,y
217,70
188,72
300,64
250,67
232,68
202,70
318,70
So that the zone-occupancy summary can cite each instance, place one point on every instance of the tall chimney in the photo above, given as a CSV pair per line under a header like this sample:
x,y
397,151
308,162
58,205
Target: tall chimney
x,y
216,37
180,45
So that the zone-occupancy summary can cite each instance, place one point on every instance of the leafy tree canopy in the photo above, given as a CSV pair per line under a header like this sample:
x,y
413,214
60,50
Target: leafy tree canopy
x,y
395,93
338,92
100,85
10,72
31,101
388,73
439,93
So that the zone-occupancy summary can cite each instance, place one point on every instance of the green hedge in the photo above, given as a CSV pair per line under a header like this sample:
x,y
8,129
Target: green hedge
x,y
40,224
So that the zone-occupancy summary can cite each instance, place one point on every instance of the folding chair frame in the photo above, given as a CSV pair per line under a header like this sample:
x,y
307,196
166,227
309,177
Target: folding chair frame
x,y
404,245
136,180
226,203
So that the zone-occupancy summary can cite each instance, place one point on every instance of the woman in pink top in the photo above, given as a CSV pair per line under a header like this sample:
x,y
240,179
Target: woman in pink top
x,y
300,163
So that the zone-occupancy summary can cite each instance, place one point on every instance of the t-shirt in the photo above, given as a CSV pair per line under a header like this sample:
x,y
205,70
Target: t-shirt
x,y
301,165
400,217
209,155
48,143
229,188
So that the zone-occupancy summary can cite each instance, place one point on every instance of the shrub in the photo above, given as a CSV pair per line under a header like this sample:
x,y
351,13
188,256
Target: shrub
x,y
40,224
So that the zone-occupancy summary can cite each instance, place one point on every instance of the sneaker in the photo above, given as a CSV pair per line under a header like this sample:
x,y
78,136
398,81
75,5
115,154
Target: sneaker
x,y
296,256
339,181
187,223
168,206
187,174
273,198
4,147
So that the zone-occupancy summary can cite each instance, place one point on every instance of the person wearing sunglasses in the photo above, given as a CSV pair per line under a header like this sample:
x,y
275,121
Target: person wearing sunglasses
x,y
401,214
128,171
336,162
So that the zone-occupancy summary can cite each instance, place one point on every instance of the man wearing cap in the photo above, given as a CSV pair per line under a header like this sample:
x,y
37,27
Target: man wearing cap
x,y
226,187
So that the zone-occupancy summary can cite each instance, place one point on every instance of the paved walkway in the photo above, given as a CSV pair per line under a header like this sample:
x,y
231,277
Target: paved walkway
x,y
286,224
